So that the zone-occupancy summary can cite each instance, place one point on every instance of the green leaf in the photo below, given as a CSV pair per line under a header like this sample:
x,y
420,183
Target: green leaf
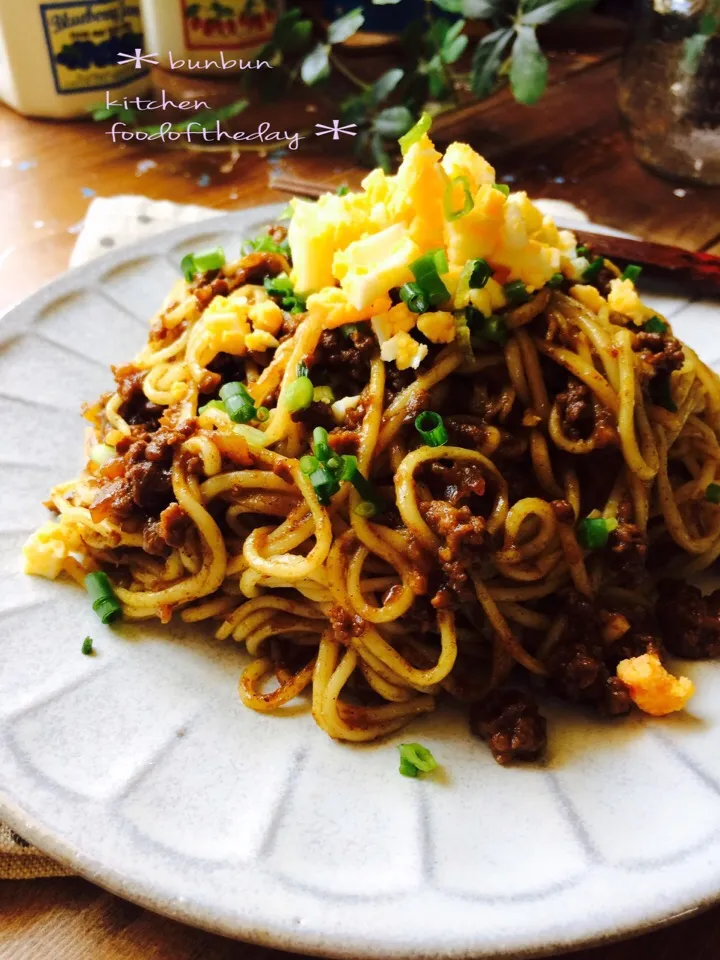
x,y
436,34
693,50
379,153
449,6
709,24
193,10
354,109
316,65
487,57
452,50
103,113
529,70
393,122
536,14
384,85
291,33
438,85
384,3
230,110
481,9
346,26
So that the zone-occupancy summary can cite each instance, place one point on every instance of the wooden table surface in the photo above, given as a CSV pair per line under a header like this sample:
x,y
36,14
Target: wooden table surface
x,y
571,146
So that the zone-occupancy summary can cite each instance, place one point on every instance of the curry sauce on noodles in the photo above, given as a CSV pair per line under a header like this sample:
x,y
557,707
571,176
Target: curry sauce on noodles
x,y
522,553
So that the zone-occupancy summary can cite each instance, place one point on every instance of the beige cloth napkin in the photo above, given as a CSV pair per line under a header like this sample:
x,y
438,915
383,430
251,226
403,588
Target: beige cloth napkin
x,y
113,222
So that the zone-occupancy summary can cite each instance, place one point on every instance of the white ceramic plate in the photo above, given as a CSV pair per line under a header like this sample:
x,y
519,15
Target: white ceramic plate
x,y
140,768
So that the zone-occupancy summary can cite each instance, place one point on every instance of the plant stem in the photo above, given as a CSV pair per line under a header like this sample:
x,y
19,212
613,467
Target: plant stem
x,y
348,73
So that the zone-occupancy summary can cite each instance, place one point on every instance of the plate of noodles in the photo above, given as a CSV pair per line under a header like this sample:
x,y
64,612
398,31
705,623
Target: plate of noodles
x,y
355,614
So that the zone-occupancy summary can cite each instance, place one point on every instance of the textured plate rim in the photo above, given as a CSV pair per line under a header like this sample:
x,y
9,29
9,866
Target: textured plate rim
x,y
278,934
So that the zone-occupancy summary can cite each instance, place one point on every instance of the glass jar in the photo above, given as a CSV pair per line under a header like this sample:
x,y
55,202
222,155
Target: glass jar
x,y
670,88
58,59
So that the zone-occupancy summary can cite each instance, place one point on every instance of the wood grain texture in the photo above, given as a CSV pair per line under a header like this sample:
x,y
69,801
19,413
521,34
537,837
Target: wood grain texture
x,y
570,147
70,919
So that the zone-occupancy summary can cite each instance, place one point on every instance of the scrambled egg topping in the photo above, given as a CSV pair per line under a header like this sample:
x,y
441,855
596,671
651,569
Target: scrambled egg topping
x,y
47,549
653,689
365,242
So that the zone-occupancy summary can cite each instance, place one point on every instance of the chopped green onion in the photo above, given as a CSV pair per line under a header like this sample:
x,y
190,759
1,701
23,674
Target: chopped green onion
x,y
476,273
556,280
591,272
302,369
631,272
323,395
239,410
429,264
502,188
335,464
104,602
427,270
582,251
101,453
415,759
365,509
299,395
324,483
282,288
468,202
210,260
654,325
415,133
309,464
712,492
87,646
661,394
516,292
213,405
279,286
321,446
187,265
492,328
342,190
593,532
350,472
348,329
414,297
234,389
239,404
265,244
431,428
262,414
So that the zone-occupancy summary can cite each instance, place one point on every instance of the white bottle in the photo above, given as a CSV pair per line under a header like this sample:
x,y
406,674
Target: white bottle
x,y
57,59
192,37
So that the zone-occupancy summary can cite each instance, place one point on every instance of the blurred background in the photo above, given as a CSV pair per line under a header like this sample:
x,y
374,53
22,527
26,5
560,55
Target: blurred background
x,y
571,99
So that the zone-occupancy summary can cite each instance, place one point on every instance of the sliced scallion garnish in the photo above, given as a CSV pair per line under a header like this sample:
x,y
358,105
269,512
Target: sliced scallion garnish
x,y
415,133
104,602
468,202
516,293
631,272
431,428
654,325
299,395
414,297
415,759
593,532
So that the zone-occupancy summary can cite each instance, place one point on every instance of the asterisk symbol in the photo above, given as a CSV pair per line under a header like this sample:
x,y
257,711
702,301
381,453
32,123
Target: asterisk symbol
x,y
138,59
335,129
